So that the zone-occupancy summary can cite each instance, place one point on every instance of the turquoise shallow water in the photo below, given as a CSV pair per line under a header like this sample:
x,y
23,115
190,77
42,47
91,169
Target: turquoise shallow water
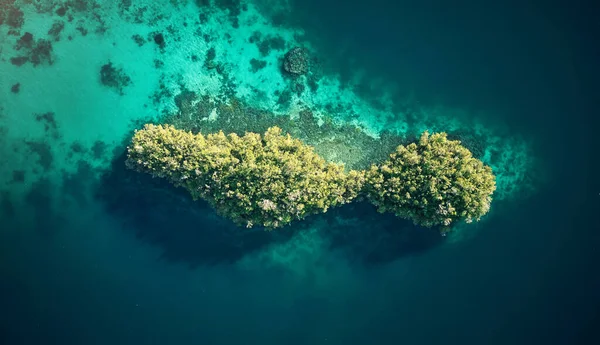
x,y
92,253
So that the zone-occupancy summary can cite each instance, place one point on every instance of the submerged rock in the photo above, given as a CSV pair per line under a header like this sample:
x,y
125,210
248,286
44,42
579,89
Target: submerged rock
x,y
159,39
113,77
296,61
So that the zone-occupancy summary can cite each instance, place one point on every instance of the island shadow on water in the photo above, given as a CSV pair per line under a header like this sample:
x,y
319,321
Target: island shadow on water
x,y
372,238
190,231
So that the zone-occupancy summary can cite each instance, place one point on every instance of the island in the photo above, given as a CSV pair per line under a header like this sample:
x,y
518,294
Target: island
x,y
273,179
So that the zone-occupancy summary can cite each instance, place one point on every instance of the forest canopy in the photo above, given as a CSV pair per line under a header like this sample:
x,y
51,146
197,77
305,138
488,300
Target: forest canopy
x,y
272,179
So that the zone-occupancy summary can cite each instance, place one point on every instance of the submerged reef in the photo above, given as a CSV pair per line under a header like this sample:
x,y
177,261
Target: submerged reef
x,y
296,61
114,78
274,179
38,52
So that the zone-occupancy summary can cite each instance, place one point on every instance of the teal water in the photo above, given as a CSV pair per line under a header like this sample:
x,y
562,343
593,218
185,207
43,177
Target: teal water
x,y
92,253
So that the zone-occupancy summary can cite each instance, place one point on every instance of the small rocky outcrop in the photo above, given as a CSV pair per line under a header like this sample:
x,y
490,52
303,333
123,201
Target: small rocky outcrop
x,y
296,61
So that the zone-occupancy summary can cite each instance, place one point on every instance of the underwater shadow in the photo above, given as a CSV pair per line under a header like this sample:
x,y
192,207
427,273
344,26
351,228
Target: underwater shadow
x,y
190,231
165,216
372,238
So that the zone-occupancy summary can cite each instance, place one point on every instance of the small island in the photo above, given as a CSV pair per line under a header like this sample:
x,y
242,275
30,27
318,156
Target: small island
x,y
271,180
433,182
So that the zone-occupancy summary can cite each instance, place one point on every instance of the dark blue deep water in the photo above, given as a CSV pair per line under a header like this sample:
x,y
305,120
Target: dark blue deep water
x,y
106,256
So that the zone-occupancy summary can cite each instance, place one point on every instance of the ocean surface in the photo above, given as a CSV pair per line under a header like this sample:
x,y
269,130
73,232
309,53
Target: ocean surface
x,y
94,253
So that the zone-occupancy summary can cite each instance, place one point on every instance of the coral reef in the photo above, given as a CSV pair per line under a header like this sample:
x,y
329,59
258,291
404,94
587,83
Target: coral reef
x,y
296,61
11,15
113,77
338,142
15,88
56,29
257,65
35,51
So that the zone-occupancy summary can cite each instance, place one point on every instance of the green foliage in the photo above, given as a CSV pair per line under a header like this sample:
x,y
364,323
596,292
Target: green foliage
x,y
274,179
433,182
267,180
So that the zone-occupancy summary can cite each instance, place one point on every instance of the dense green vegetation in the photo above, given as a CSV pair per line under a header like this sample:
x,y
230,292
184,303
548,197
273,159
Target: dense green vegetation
x,y
267,180
433,182
273,179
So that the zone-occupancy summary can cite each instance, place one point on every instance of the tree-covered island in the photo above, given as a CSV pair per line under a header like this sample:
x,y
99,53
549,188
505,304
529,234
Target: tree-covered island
x,y
273,179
